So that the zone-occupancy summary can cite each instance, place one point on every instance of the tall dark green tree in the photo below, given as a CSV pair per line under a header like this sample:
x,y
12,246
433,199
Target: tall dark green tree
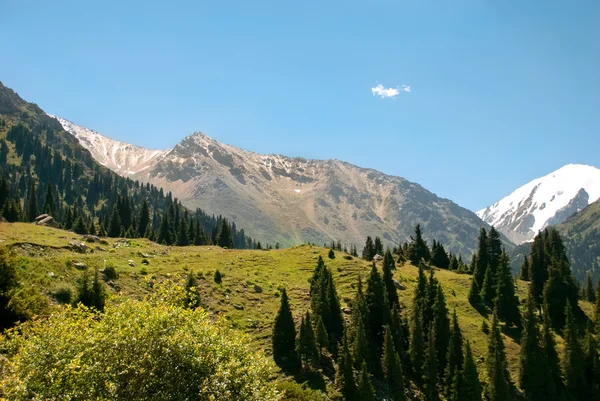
x,y
441,326
498,386
469,386
114,229
32,209
418,250
538,268
165,235
416,348
345,373
392,368
365,390
454,357
144,220
306,345
554,386
376,312
284,336
368,251
430,368
481,259
573,358
531,358
49,204
591,365
224,239
388,266
590,295
524,272
506,298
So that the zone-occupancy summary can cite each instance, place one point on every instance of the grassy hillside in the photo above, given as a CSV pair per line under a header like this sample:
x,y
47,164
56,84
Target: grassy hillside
x,y
248,295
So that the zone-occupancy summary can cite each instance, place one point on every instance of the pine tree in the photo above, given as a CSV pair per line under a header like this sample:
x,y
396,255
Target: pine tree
x,y
49,204
321,334
218,277
531,359
469,387
114,229
365,390
506,298
224,239
474,297
376,311
182,235
164,232
345,373
306,346
418,249
441,326
80,227
416,348
591,364
92,228
388,280
400,334
538,268
144,220
589,289
392,368
524,274
430,368
498,386
553,386
32,209
488,292
454,357
573,358
98,296
481,259
284,336
369,250
331,254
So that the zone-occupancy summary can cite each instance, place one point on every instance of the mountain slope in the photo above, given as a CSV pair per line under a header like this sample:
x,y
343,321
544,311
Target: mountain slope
x,y
545,201
123,158
295,200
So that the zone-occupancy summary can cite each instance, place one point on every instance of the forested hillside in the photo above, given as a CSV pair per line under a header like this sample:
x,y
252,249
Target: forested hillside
x,y
45,170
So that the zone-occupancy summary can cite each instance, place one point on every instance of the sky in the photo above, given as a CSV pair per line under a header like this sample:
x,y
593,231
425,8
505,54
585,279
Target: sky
x,y
469,98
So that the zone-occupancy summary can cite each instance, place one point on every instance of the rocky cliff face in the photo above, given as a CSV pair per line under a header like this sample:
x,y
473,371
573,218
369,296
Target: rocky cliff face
x,y
294,200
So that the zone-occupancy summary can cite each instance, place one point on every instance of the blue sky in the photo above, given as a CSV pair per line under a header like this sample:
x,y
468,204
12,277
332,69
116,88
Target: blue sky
x,y
501,92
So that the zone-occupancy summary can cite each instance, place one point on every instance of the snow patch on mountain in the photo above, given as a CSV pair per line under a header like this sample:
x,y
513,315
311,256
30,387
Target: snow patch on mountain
x,y
544,201
123,158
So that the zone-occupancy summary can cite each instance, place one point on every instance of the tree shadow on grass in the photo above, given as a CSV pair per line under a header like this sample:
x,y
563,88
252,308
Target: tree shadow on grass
x,y
313,379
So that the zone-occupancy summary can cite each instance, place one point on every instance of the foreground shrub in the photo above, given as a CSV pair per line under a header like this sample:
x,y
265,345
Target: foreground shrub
x,y
136,350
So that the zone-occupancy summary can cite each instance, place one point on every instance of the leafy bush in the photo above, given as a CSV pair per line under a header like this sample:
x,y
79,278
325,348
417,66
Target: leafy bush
x,y
218,277
110,272
63,295
297,392
136,350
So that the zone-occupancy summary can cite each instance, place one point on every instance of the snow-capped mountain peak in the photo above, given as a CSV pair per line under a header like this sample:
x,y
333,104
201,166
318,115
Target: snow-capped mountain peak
x,y
123,158
544,201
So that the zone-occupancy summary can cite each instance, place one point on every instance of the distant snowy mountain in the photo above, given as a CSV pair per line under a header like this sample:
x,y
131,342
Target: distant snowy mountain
x,y
289,200
122,158
545,201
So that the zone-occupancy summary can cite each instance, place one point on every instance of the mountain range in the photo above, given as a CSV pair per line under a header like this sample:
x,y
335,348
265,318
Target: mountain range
x,y
289,200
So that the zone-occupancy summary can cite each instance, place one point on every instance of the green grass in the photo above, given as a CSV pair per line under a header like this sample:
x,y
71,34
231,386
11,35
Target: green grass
x,y
43,250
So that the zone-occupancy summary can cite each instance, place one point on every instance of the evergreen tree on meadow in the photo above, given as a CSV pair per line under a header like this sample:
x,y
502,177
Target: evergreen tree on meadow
x,y
224,239
114,228
182,235
321,334
49,204
417,345
392,368
469,386
481,259
439,257
165,235
388,266
538,268
359,323
532,374
365,390
378,246
80,227
573,358
591,365
400,335
345,373
524,270
454,357
377,308
507,301
498,385
430,368
554,386
474,290
590,295
325,304
441,327
368,251
284,336
32,209
418,250
306,346
144,220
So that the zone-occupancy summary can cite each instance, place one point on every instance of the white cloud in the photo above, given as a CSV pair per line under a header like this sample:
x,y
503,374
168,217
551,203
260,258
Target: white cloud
x,y
384,92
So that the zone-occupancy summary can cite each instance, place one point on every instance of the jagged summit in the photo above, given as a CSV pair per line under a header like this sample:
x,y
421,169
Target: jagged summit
x,y
544,201
289,200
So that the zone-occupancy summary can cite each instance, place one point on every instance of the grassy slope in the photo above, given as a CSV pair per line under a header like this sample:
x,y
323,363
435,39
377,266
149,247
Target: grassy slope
x,y
242,269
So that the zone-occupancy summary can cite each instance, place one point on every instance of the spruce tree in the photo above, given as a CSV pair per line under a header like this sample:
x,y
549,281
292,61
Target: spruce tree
x,y
80,227
589,288
388,266
368,251
418,250
392,368
591,364
524,273
474,297
469,387
454,357
531,358
376,311
49,204
224,239
306,346
164,232
144,220
416,348
441,326
430,368
538,268
553,385
98,296
182,235
400,334
506,298
321,334
345,373
488,290
498,386
481,259
365,390
32,209
573,358
114,229
284,336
